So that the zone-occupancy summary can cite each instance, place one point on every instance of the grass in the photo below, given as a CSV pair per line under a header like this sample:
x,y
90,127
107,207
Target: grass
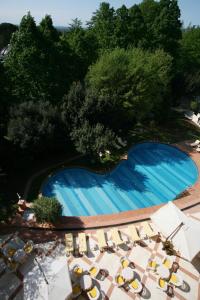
x,y
176,130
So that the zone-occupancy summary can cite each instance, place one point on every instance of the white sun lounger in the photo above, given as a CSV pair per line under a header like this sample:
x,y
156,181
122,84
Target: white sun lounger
x,y
133,233
82,243
69,243
196,143
116,237
198,148
147,230
101,239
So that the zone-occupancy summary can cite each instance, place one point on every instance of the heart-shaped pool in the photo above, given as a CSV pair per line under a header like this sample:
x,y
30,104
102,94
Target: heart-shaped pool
x,y
153,173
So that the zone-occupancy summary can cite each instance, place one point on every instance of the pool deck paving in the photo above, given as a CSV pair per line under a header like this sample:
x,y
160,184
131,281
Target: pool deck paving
x,y
32,285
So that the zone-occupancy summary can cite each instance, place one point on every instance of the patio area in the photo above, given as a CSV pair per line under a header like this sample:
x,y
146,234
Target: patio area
x,y
30,282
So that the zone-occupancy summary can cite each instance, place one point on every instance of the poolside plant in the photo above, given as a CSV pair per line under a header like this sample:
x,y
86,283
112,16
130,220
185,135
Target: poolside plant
x,y
47,209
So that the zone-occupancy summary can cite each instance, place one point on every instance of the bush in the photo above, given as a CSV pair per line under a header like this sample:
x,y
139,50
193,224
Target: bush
x,y
47,209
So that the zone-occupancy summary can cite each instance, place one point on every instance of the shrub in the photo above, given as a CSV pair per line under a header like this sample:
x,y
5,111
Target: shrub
x,y
47,209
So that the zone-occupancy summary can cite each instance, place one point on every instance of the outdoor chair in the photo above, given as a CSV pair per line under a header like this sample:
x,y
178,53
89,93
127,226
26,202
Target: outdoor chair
x,y
124,262
148,231
76,291
101,240
94,271
94,293
152,265
167,262
162,284
198,149
136,286
196,143
133,234
176,280
77,271
119,280
69,243
116,237
82,243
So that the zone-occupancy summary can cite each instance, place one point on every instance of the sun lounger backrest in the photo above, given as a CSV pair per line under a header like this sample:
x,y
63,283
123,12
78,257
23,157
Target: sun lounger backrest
x,y
133,233
101,238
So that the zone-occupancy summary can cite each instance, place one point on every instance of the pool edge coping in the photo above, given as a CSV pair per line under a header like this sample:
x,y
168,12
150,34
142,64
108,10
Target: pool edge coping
x,y
131,216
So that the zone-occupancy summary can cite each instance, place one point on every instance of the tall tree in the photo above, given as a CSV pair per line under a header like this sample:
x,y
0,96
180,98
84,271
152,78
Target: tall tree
x,y
137,27
121,29
33,126
103,25
33,63
137,80
168,26
150,10
83,45
189,63
91,140
48,31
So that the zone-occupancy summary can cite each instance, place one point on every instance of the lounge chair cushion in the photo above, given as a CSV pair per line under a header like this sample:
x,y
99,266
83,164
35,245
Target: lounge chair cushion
x,y
167,263
93,271
78,271
162,283
93,292
134,284
174,278
153,264
120,279
125,263
76,289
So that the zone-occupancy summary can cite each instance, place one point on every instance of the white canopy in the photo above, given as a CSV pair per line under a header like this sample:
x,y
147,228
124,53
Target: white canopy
x,y
60,285
186,240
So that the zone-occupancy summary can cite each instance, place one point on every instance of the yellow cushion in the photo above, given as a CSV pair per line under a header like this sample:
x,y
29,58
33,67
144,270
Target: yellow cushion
x,y
28,248
125,263
93,271
134,284
11,252
174,278
161,283
167,263
76,289
152,264
79,271
93,292
120,279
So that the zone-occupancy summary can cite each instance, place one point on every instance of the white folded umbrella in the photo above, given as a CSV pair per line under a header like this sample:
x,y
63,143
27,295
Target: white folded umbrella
x,y
60,286
186,238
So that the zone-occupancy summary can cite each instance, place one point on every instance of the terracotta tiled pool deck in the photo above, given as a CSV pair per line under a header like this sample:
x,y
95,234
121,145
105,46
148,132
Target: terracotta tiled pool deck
x,y
33,286
28,285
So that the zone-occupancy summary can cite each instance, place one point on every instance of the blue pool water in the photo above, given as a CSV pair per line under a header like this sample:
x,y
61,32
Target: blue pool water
x,y
154,173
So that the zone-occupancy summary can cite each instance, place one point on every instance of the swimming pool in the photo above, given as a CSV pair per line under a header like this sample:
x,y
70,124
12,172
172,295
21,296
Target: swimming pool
x,y
153,173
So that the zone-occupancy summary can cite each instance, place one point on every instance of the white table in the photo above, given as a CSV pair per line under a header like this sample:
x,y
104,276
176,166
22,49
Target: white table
x,y
163,271
86,282
127,274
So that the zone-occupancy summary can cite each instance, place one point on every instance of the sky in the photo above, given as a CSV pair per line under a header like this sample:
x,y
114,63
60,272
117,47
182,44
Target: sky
x,y
63,11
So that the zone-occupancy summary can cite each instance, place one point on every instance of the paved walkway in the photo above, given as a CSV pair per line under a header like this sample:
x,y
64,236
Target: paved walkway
x,y
34,286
